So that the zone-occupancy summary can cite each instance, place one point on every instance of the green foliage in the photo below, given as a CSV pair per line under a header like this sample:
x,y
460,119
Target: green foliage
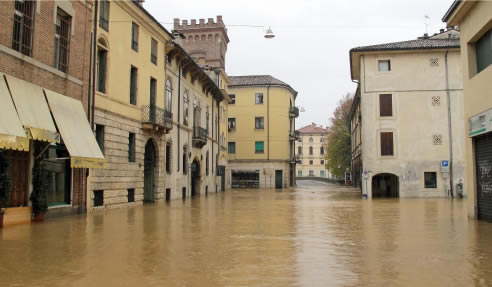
x,y
4,181
338,148
40,184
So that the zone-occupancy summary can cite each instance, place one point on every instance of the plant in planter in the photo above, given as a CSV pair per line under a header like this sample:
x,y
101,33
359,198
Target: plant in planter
x,y
39,195
4,185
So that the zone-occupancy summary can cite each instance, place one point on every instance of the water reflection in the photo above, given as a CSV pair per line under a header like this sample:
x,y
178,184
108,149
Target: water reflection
x,y
315,235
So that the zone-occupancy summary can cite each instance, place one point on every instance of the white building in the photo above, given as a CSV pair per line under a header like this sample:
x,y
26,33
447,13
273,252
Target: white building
x,y
310,151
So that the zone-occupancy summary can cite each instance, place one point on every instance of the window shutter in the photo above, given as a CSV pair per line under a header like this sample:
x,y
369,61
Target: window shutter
x,y
386,143
385,105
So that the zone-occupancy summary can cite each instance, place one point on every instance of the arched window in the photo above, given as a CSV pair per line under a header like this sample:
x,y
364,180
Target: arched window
x,y
311,139
299,150
185,109
169,96
204,38
210,37
102,65
311,150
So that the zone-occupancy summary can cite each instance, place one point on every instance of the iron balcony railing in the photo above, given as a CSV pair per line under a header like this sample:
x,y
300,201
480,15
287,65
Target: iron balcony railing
x,y
200,133
157,116
294,112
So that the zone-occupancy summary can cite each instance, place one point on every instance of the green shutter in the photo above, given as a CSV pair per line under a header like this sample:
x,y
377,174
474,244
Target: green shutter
x,y
484,51
259,146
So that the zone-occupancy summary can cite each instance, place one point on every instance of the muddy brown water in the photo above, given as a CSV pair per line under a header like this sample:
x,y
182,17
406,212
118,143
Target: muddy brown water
x,y
314,235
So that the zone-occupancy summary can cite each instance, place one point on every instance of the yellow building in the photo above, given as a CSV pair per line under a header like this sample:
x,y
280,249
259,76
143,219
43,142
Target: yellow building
x,y
154,111
310,150
261,124
474,19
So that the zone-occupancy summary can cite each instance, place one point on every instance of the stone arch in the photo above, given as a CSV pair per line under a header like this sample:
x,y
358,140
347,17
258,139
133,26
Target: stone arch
x,y
197,38
216,37
204,38
210,37
151,163
195,176
385,185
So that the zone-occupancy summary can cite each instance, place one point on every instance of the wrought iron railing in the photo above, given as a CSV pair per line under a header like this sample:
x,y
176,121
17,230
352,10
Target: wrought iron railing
x,y
156,115
200,133
294,112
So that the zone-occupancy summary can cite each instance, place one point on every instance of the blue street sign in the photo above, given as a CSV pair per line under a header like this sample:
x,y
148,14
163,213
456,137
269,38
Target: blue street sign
x,y
444,163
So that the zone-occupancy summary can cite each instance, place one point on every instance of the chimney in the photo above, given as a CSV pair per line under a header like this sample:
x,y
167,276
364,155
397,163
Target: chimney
x,y
141,2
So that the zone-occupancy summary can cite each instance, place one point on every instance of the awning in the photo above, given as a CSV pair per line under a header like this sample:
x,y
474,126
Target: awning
x,y
33,110
12,135
74,128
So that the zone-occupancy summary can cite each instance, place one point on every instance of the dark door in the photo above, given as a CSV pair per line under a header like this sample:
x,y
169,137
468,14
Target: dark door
x,y
149,171
222,173
278,179
195,177
18,171
483,160
152,110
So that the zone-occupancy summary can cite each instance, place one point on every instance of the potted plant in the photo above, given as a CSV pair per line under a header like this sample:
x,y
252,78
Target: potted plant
x,y
39,195
4,185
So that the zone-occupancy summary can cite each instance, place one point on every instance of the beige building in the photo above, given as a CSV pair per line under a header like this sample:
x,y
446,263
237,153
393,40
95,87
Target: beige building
x,y
474,19
310,152
407,117
261,124
156,112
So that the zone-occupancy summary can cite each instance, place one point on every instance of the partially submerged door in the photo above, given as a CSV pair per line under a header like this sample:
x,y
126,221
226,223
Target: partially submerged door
x,y
278,179
149,171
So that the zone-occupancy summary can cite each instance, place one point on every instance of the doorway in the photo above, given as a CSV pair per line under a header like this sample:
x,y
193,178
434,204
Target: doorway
x,y
385,185
278,179
149,171
195,177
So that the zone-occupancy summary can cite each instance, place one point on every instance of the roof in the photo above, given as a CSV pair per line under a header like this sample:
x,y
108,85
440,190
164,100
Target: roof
x,y
411,45
312,129
258,80
140,6
451,10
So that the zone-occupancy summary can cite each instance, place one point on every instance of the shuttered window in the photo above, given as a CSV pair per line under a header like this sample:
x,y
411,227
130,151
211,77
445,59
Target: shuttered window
x,y
259,123
131,147
232,147
387,144
484,51
101,70
134,36
153,51
104,14
385,105
259,147
133,85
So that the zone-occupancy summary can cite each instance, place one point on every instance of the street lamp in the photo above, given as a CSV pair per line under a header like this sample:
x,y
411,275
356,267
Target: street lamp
x,y
269,34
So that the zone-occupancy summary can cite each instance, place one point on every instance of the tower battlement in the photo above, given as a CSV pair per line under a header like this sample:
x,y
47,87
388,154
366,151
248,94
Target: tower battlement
x,y
193,24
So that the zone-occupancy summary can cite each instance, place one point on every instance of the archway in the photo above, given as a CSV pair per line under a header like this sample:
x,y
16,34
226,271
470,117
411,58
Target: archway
x,y
385,185
195,177
149,171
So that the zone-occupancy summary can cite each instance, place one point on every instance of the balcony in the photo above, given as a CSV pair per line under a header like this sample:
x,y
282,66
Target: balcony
x,y
295,160
199,137
294,112
294,136
156,119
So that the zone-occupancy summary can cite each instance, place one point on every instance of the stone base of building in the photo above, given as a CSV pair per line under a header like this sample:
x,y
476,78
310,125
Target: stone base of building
x,y
265,170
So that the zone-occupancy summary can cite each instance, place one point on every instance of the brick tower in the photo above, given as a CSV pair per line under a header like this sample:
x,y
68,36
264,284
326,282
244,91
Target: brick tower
x,y
205,42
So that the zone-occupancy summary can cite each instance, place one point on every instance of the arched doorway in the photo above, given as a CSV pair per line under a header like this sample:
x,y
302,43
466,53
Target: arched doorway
x,y
385,185
149,171
195,177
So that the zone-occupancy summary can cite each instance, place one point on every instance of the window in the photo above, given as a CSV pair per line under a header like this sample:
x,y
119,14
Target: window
x,y
104,14
311,173
102,55
169,96
23,26
259,147
259,98
62,40
131,147
321,150
310,139
207,117
100,137
387,143
299,150
384,65
233,99
311,162
133,85
98,198
322,162
231,147
153,51
168,194
259,123
185,109
310,150
207,163
131,195
168,157
322,173
152,109
321,139
430,180
185,159
484,51
134,36
299,173
385,105
232,124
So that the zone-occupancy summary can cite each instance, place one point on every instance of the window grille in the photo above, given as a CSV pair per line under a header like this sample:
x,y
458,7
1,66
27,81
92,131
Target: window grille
x,y
98,197
23,26
62,40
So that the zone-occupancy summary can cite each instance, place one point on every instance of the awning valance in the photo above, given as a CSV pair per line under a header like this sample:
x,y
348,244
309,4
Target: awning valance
x,y
12,135
75,130
32,110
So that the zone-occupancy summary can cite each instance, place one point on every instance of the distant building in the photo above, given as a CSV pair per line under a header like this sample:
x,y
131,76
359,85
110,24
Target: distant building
x,y
261,124
407,117
311,151
474,19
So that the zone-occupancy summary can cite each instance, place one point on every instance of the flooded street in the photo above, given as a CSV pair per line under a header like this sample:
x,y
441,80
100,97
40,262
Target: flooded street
x,y
315,235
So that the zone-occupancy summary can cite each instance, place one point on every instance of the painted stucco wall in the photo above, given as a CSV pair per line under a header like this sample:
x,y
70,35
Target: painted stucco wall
x,y
319,140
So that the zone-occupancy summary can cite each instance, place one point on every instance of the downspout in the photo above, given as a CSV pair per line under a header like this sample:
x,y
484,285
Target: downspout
x,y
449,127
268,122
179,110
94,47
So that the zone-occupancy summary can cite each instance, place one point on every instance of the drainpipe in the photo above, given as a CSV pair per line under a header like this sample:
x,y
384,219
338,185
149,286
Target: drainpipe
x,y
179,109
449,127
268,122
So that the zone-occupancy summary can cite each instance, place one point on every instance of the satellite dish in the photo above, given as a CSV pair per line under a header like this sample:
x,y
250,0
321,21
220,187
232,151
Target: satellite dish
x,y
269,34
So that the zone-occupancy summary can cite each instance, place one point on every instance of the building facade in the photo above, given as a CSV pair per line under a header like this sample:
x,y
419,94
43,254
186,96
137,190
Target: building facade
x,y
261,125
407,119
154,112
310,151
44,90
474,19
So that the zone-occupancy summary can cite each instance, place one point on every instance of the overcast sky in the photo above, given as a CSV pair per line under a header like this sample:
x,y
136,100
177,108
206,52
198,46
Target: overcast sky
x,y
313,38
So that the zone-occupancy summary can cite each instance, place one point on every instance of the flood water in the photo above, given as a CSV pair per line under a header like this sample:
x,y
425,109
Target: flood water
x,y
314,235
